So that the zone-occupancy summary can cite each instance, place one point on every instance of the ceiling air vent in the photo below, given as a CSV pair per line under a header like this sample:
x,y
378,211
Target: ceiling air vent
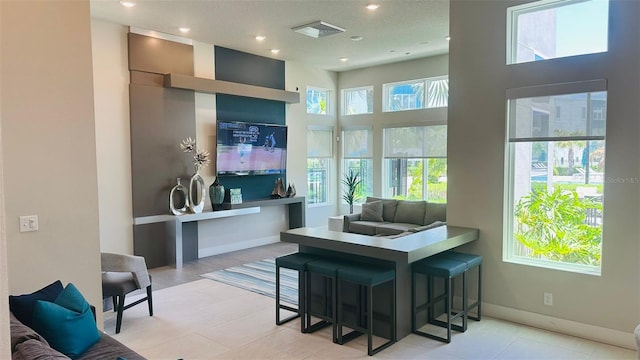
x,y
318,29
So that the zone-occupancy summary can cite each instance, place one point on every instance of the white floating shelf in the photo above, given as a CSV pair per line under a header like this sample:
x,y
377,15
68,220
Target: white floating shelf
x,y
210,86
207,215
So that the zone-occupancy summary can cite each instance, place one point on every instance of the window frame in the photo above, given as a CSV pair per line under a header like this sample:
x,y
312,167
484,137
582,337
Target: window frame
x,y
328,107
509,241
424,97
512,28
328,186
386,158
345,159
343,93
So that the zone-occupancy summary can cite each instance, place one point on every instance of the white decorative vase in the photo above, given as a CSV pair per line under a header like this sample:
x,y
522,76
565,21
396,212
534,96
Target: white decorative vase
x,y
197,193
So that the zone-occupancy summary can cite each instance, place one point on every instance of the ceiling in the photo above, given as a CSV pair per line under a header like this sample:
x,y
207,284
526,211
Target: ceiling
x,y
398,30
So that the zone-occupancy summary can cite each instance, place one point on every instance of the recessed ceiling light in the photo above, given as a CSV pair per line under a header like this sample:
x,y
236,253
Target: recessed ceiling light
x,y
344,59
408,53
373,6
392,51
424,43
356,38
275,51
260,38
127,3
184,30
448,38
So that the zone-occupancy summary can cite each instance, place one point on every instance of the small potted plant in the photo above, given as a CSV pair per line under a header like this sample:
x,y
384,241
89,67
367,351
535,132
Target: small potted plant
x,y
352,182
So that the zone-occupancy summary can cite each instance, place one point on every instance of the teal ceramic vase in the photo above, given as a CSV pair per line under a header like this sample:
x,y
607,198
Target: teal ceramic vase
x,y
216,193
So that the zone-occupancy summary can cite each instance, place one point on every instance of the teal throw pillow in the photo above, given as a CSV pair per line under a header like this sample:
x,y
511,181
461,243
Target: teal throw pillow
x,y
67,324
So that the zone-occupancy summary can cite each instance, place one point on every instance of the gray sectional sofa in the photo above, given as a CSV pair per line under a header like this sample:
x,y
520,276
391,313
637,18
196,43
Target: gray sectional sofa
x,y
390,217
27,344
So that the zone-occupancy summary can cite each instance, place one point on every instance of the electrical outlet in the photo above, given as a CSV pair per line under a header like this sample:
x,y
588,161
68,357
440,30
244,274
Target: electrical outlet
x,y
548,299
28,223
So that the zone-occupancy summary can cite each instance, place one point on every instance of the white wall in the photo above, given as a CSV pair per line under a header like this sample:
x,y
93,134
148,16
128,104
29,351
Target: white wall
x,y
48,146
300,76
113,146
604,307
377,76
5,335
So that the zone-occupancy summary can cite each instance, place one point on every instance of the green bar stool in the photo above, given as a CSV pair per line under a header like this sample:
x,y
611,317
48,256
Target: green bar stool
x,y
472,261
328,270
366,277
297,262
446,269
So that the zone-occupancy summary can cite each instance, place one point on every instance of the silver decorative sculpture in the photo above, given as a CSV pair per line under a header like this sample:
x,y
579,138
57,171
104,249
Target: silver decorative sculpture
x,y
179,194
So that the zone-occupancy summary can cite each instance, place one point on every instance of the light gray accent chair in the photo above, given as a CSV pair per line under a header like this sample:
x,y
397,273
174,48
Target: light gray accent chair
x,y
396,217
121,275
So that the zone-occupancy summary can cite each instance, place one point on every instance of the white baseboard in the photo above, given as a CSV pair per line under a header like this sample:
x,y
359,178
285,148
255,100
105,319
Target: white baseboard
x,y
221,249
568,327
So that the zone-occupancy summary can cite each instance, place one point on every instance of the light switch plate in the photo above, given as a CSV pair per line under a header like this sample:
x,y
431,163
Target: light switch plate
x,y
28,223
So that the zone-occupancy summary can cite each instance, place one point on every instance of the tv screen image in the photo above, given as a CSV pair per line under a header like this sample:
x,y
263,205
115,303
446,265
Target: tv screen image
x,y
250,149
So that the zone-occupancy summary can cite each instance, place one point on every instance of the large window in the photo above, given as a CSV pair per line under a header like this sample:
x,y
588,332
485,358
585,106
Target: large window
x,y
357,151
319,154
551,29
416,94
357,101
317,101
415,163
555,172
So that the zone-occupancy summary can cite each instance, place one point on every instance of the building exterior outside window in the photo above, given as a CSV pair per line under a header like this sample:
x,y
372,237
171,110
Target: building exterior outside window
x,y
555,191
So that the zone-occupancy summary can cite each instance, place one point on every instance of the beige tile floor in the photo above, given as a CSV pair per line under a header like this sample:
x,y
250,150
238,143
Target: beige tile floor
x,y
205,319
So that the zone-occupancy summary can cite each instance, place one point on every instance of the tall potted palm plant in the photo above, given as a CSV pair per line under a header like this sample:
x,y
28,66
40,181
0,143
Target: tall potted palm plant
x,y
351,182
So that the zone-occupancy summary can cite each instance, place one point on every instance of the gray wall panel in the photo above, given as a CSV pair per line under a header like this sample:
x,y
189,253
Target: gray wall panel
x,y
160,119
150,243
159,56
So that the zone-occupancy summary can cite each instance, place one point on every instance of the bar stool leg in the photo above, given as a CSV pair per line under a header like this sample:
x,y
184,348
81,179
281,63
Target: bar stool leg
x,y
369,320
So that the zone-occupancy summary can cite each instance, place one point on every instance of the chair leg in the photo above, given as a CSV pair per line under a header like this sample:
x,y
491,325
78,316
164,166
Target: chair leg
x,y
150,300
114,299
119,309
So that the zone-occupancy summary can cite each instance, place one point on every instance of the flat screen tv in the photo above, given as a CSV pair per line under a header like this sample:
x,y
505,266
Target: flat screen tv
x,y
250,149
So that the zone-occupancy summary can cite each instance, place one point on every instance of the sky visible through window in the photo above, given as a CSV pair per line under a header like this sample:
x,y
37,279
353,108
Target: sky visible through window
x,y
582,28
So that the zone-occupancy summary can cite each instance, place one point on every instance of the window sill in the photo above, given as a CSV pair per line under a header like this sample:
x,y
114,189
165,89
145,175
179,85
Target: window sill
x,y
554,265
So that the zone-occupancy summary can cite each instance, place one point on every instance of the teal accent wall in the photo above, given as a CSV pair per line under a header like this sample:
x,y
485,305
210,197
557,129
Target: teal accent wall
x,y
244,68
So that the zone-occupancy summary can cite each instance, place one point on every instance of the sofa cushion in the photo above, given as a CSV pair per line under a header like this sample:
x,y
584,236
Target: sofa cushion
x,y
33,349
434,224
22,305
388,207
371,211
434,212
393,228
68,323
410,212
110,348
398,235
21,333
363,227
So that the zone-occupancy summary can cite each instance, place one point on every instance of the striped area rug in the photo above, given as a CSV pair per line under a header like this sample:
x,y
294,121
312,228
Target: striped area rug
x,y
260,277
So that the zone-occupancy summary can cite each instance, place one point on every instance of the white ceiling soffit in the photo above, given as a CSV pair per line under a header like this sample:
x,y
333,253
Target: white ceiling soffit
x,y
398,30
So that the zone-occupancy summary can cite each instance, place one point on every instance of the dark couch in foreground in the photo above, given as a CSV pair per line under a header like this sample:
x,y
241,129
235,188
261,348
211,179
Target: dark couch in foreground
x,y
390,217
28,344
